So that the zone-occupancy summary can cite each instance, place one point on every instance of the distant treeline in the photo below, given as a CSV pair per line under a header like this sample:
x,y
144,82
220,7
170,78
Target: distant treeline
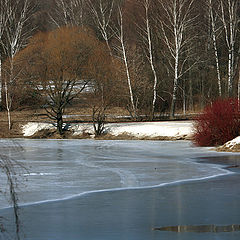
x,y
148,56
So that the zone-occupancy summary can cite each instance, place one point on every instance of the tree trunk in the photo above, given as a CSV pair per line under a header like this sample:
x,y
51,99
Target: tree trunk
x,y
239,85
121,37
60,123
150,56
174,98
175,84
214,39
230,80
1,84
7,105
184,97
190,94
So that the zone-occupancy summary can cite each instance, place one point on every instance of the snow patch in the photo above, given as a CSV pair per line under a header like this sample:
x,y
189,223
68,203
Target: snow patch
x,y
31,128
151,129
172,129
233,145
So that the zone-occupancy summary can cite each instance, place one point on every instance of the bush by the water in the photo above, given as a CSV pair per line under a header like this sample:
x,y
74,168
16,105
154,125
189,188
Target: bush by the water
x,y
218,123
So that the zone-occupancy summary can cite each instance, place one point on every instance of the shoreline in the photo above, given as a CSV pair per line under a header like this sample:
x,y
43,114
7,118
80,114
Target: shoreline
x,y
153,131
164,130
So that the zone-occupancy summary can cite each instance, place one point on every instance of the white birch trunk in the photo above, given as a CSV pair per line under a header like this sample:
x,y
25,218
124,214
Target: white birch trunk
x,y
175,86
3,19
7,104
125,59
239,84
14,40
178,42
214,39
150,55
1,83
230,29
179,21
230,80
128,77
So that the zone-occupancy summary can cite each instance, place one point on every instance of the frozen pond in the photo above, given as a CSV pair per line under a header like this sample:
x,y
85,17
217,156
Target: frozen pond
x,y
60,169
73,183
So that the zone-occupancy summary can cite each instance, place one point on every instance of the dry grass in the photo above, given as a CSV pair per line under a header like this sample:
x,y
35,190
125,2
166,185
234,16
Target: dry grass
x,y
126,136
223,148
79,114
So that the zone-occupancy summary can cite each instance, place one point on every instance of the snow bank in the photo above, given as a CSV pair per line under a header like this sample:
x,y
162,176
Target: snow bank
x,y
152,129
231,146
171,129
32,127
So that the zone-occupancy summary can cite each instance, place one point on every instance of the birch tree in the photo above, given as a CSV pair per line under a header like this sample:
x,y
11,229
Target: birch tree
x,y
239,83
68,12
147,39
3,23
176,25
214,29
230,19
122,49
102,12
15,37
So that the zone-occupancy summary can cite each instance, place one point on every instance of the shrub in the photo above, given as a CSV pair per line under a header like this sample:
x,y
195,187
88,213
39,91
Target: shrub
x,y
218,123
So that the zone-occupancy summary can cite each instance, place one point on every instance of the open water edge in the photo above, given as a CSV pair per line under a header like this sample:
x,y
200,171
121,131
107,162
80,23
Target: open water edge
x,y
132,213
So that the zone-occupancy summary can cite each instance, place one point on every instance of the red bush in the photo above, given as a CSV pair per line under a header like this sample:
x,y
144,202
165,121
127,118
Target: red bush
x,y
218,123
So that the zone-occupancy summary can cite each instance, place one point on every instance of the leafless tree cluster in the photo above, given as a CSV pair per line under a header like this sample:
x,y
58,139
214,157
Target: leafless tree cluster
x,y
172,55
15,30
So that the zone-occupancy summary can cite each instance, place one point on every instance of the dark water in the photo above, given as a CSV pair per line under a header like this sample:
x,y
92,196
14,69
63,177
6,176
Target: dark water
x,y
131,214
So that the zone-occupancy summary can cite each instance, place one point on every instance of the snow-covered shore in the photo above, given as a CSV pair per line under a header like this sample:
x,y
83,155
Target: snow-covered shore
x,y
168,129
231,146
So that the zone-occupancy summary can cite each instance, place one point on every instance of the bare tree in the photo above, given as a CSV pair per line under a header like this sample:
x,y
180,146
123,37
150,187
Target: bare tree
x,y
230,20
56,63
68,12
122,49
214,30
103,70
103,11
15,37
176,25
3,23
146,33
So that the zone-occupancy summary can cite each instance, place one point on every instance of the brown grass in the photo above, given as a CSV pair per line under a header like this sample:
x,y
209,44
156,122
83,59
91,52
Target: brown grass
x,y
223,148
80,114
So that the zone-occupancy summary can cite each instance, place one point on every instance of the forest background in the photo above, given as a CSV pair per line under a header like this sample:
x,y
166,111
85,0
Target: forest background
x,y
146,58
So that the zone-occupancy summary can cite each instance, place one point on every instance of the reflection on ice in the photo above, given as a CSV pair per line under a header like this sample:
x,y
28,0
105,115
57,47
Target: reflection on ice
x,y
60,169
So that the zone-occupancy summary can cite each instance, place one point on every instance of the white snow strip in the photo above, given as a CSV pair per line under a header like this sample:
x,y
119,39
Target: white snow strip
x,y
151,129
176,129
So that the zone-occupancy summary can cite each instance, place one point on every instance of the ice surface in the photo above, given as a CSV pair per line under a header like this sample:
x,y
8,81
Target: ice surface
x,y
60,169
